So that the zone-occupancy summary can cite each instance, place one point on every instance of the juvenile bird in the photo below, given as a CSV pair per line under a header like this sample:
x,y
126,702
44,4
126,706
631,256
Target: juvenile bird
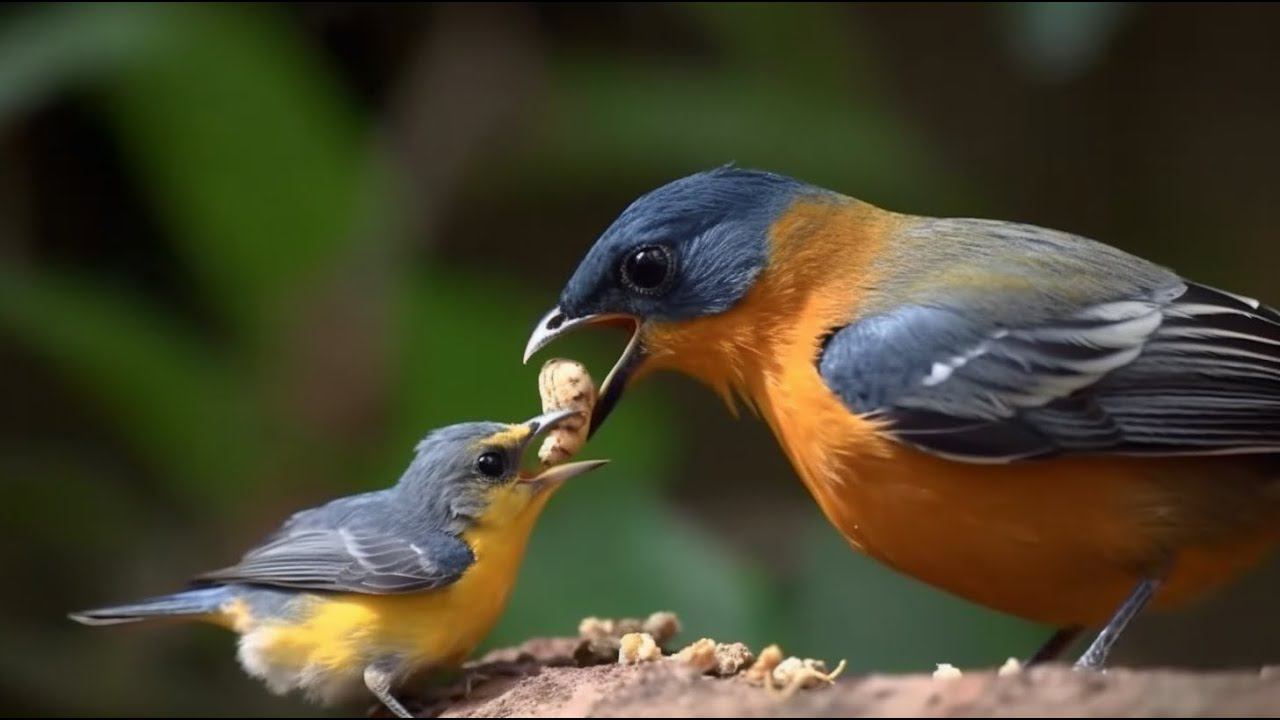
x,y
371,591
1034,421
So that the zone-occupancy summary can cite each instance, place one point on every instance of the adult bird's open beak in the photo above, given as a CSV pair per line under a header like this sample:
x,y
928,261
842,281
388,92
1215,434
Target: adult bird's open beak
x,y
555,324
538,429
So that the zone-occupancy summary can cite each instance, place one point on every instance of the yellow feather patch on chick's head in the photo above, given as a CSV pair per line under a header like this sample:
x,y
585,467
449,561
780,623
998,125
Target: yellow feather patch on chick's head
x,y
511,494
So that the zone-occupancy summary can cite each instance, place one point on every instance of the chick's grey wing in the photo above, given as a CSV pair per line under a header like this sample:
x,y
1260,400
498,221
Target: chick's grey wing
x,y
351,556
1165,368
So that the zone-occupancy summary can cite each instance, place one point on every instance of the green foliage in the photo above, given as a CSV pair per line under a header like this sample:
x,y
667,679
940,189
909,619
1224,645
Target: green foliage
x,y
1055,41
251,153
47,51
173,398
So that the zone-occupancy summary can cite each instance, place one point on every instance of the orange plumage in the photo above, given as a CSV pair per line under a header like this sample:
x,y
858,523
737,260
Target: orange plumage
x,y
1060,541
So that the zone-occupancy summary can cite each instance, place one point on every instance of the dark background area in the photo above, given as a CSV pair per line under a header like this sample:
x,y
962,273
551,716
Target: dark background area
x,y
248,255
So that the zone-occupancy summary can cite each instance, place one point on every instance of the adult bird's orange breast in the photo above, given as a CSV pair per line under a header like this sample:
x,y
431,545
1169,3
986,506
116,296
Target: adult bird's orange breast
x,y
1058,541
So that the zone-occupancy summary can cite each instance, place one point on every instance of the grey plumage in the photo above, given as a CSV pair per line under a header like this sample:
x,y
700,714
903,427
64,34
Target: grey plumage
x,y
716,222
187,602
402,539
357,554
1008,341
398,540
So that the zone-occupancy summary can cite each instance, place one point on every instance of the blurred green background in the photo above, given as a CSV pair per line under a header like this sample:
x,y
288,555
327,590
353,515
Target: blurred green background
x,y
248,255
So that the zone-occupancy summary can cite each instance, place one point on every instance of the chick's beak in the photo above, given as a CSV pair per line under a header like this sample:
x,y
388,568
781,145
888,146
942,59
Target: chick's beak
x,y
552,476
556,323
557,474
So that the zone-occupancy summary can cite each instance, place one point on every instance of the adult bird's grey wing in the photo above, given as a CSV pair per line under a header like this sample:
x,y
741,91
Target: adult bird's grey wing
x,y
352,556
1172,368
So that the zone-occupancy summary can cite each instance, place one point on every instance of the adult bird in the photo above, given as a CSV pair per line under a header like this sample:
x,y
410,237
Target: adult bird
x,y
368,592
1035,421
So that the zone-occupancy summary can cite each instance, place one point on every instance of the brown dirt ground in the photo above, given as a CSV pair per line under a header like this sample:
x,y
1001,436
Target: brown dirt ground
x,y
541,679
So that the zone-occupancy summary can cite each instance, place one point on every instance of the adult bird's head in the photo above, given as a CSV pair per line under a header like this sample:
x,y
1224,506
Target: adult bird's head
x,y
687,251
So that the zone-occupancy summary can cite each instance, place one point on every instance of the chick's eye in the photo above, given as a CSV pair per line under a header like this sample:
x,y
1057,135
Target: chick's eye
x,y
648,270
491,464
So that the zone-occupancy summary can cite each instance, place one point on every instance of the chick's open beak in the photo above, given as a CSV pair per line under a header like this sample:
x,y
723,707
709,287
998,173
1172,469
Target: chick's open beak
x,y
559,473
555,324
538,429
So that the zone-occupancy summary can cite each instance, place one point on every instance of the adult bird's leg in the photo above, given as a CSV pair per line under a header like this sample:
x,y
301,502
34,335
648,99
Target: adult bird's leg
x,y
1052,648
378,680
1095,658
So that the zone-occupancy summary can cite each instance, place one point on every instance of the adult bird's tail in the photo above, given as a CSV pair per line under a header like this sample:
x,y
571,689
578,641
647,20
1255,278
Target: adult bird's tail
x,y
200,601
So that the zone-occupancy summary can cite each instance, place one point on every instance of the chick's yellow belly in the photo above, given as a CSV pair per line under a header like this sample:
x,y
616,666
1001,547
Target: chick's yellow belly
x,y
325,650
321,643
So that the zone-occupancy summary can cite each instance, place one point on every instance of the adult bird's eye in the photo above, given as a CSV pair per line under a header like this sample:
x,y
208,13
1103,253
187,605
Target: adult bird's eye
x,y
491,464
648,269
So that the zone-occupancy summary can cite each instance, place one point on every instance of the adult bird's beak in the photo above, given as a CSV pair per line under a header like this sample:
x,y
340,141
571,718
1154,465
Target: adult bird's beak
x,y
556,323
552,476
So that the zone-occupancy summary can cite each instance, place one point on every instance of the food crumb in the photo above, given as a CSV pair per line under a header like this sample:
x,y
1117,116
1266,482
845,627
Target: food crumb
x,y
947,671
636,648
732,658
700,655
594,627
761,671
663,626
1012,666
720,659
794,673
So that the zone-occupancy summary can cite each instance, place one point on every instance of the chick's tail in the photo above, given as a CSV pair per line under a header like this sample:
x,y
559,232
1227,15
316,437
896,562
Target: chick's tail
x,y
199,601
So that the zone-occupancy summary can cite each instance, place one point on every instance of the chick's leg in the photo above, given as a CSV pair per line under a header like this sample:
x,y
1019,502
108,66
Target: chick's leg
x,y
379,680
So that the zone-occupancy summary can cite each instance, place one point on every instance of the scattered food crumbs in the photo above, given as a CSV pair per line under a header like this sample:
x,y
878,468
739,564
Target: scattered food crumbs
x,y
761,672
1010,667
701,655
565,385
946,671
629,641
636,648
721,659
663,626
600,639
